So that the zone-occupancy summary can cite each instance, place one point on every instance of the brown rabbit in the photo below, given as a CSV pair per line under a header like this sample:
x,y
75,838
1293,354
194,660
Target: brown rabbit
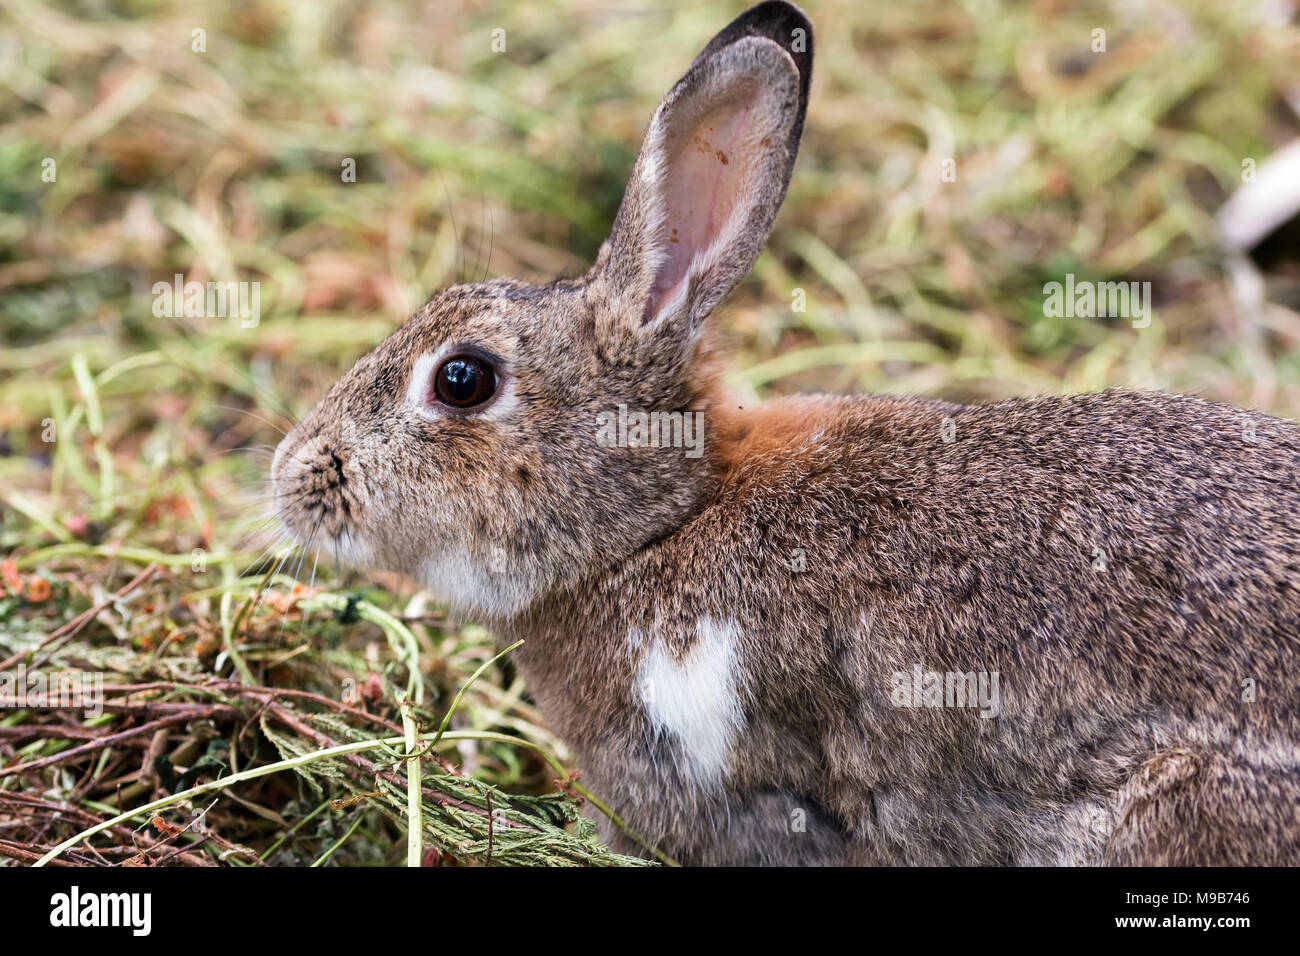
x,y
827,630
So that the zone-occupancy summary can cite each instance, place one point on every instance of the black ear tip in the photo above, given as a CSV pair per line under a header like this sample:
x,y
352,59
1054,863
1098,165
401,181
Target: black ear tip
x,y
778,21
777,15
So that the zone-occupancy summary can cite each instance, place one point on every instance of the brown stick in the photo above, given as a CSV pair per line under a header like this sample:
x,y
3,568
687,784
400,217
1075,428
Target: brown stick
x,y
93,745
16,851
150,708
56,731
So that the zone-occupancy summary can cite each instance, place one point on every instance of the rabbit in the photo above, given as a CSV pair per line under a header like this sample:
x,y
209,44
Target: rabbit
x,y
826,630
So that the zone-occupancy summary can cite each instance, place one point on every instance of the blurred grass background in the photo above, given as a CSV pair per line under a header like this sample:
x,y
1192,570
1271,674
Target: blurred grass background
x,y
227,164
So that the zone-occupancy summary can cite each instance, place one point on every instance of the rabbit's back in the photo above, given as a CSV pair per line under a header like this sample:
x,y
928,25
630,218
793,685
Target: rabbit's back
x,y
1156,526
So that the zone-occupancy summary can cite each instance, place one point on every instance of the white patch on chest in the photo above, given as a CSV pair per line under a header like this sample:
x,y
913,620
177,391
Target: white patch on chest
x,y
695,698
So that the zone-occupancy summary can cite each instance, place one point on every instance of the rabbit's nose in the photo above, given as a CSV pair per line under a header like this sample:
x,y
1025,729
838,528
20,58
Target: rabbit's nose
x,y
315,487
313,464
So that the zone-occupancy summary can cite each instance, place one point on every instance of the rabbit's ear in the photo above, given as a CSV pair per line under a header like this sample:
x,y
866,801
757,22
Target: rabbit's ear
x,y
712,172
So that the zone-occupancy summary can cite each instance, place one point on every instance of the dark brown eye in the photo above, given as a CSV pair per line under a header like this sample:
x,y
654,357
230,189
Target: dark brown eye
x,y
464,381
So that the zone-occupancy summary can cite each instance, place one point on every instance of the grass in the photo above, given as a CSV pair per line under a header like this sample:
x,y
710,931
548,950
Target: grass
x,y
133,448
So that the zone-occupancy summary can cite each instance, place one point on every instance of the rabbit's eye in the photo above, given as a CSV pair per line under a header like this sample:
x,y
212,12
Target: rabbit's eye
x,y
464,381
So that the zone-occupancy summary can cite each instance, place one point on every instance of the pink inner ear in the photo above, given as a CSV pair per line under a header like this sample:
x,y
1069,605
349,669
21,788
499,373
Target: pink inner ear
x,y
706,180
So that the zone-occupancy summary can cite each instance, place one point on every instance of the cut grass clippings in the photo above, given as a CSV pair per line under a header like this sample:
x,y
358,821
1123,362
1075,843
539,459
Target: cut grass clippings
x,y
264,706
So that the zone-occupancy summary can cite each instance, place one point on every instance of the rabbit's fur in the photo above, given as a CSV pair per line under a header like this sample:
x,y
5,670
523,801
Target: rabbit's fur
x,y
720,638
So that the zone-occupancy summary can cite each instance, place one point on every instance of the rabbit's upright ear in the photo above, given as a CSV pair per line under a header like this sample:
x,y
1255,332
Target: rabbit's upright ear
x,y
711,174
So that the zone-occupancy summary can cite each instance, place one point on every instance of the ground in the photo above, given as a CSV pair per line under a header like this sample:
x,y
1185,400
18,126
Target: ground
x,y
351,159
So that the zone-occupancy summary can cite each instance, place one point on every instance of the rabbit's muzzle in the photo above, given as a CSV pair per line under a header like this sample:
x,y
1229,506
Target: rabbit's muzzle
x,y
317,490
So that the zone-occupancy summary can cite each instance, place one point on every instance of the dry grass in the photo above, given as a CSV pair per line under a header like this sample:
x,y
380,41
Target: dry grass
x,y
226,165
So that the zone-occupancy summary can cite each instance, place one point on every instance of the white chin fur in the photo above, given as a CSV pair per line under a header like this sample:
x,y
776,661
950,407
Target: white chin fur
x,y
474,590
